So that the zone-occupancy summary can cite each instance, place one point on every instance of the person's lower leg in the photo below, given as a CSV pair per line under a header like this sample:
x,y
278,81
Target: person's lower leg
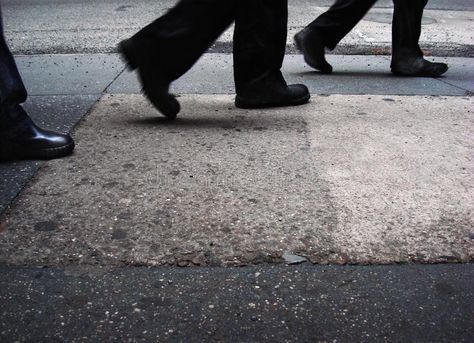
x,y
328,30
167,48
12,90
407,57
259,50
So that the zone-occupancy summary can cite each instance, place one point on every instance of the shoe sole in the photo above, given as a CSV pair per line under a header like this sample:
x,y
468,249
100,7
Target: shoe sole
x,y
410,74
397,73
172,108
244,103
40,154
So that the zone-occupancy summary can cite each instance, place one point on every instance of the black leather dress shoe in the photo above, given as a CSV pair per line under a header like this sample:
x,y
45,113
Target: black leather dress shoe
x,y
28,141
419,67
313,49
154,84
271,91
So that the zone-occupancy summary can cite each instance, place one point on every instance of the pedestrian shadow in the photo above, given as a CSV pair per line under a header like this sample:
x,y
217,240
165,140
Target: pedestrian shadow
x,y
361,74
247,121
351,73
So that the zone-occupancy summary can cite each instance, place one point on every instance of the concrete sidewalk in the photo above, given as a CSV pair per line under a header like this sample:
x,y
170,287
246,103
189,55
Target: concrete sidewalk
x,y
345,179
361,178
91,27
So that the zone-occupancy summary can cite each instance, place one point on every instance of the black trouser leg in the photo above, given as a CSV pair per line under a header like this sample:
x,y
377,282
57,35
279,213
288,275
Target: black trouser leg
x,y
259,40
12,90
177,39
340,19
406,29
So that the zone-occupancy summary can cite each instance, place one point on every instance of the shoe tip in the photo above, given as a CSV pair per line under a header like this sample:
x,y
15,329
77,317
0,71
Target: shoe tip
x,y
69,140
327,69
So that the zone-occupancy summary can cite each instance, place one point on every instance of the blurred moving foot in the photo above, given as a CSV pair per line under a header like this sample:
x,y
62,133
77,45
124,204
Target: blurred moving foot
x,y
154,84
28,141
271,91
311,45
418,67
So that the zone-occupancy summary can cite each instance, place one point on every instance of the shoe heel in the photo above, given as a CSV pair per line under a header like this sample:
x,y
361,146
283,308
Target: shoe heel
x,y
297,41
125,48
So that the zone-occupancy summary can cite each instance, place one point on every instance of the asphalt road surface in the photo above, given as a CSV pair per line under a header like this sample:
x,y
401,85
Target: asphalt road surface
x,y
68,26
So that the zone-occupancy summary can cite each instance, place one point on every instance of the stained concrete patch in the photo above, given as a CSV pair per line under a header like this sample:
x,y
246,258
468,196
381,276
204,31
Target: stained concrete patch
x,y
219,186
401,174
58,113
68,74
345,179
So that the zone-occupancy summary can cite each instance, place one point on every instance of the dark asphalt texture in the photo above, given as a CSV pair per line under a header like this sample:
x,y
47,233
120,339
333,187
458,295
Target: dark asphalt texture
x,y
255,304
